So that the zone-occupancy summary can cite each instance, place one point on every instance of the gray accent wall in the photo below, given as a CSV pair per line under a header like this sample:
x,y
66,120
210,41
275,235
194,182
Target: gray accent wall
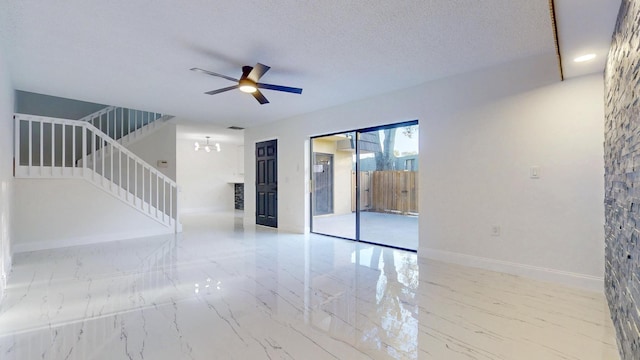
x,y
622,179
53,106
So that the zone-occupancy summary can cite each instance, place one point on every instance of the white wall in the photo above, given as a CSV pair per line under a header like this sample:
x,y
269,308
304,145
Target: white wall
x,y
6,171
479,134
205,179
55,213
554,222
158,145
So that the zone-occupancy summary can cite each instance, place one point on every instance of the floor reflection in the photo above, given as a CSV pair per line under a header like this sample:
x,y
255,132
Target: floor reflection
x,y
225,292
373,305
79,313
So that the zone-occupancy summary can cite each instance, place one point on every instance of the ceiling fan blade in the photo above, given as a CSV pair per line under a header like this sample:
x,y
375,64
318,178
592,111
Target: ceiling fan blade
x,y
245,72
279,88
258,71
261,99
214,74
213,92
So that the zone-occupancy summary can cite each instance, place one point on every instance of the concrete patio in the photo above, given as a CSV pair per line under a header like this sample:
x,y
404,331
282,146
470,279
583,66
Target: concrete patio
x,y
379,228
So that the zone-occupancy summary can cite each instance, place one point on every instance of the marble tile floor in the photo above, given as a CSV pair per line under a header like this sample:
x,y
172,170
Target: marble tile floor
x,y
218,291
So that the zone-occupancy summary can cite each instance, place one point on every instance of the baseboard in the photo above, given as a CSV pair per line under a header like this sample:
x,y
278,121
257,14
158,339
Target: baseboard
x,y
575,280
290,229
88,240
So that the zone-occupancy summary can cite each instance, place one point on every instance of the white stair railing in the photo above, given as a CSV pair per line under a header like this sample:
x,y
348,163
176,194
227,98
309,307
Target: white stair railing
x,y
118,122
59,148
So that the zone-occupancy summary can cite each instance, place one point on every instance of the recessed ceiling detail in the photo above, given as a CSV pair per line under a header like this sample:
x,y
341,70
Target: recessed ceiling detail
x,y
585,27
585,58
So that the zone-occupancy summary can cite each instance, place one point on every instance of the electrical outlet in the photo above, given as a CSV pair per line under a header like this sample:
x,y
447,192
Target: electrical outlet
x,y
495,230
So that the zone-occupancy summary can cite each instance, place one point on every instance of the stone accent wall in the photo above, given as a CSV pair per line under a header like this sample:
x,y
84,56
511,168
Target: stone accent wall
x,y
239,196
622,179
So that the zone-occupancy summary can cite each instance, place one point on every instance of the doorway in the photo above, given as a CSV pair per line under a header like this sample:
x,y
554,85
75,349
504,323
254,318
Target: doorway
x,y
323,180
374,184
339,151
267,183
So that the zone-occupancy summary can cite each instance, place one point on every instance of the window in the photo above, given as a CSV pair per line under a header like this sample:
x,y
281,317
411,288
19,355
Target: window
x,y
409,164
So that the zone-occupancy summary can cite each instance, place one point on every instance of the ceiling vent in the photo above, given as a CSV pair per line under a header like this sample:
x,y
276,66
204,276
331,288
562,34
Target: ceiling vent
x,y
235,128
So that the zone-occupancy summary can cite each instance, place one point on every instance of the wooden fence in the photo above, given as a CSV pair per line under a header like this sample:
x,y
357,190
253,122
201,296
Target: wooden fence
x,y
386,191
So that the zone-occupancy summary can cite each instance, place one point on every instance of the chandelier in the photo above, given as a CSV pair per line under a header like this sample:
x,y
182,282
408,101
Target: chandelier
x,y
206,147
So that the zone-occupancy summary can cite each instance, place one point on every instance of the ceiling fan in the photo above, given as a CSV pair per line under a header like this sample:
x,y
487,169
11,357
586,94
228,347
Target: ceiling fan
x,y
248,82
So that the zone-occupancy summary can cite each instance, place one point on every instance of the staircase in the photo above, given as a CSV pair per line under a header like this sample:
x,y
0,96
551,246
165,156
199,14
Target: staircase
x,y
126,125
59,148
123,125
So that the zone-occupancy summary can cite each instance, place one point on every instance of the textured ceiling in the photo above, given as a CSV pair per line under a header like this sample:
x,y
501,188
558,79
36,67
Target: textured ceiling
x,y
196,131
138,53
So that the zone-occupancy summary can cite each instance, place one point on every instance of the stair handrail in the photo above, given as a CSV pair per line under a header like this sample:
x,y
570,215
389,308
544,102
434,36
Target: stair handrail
x,y
102,135
97,113
115,115
105,139
124,150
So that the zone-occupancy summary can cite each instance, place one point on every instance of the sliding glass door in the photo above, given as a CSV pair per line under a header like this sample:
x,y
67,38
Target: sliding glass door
x,y
333,164
367,190
388,207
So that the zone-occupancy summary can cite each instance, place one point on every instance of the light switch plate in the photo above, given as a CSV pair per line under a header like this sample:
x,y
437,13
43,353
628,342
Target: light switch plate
x,y
534,172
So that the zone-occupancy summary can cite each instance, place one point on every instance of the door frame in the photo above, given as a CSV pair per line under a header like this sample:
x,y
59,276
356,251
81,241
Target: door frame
x,y
357,133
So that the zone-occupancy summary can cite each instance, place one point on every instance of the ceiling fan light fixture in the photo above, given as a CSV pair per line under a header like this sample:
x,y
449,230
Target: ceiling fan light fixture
x,y
248,83
248,86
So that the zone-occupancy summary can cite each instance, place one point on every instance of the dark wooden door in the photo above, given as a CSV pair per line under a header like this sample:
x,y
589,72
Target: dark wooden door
x,y
323,183
267,183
